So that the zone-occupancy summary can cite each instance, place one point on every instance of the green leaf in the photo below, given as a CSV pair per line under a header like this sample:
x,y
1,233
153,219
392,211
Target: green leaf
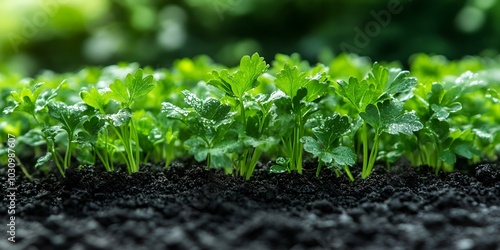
x,y
134,87
344,156
69,116
372,117
252,126
209,108
387,116
122,117
442,113
46,97
34,138
243,80
200,150
95,98
119,92
404,124
85,139
493,95
197,148
32,100
401,83
379,85
43,160
464,148
448,157
174,112
290,80
331,129
92,128
440,129
282,161
311,145
264,142
358,93
278,169
378,77
339,155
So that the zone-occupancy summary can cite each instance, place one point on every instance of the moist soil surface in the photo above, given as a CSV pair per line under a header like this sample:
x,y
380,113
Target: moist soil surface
x,y
187,207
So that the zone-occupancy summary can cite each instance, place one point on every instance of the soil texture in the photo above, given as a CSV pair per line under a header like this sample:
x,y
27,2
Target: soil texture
x,y
187,207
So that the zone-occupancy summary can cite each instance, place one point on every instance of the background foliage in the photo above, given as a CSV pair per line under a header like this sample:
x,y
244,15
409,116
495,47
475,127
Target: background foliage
x,y
64,35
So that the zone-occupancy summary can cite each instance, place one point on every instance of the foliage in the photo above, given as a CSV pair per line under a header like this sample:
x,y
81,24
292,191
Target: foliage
x,y
348,114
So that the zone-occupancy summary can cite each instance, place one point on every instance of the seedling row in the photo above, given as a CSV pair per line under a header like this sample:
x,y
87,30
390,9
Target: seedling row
x,y
344,113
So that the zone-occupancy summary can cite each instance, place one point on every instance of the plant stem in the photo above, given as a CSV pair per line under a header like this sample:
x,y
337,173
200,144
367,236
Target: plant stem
x,y
57,159
135,138
373,156
253,162
242,110
123,137
67,156
348,172
364,136
298,145
21,165
318,169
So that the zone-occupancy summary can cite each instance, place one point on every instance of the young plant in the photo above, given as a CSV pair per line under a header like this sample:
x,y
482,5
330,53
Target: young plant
x,y
380,85
97,125
326,143
236,86
89,136
209,122
293,109
388,117
69,118
33,101
126,93
441,140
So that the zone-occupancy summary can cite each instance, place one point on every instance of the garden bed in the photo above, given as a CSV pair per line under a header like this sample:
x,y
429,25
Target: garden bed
x,y
186,207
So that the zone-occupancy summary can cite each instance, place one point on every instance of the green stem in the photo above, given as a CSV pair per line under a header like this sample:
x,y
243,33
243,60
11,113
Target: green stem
x,y
57,159
287,144
67,156
107,156
337,173
253,162
348,172
21,165
243,164
298,145
318,169
209,161
373,156
125,143
364,136
242,110
135,138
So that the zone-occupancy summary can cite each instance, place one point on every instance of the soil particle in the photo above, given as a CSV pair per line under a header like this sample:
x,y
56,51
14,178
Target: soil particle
x,y
186,207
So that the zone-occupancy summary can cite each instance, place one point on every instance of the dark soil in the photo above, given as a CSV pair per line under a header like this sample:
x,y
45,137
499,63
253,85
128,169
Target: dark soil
x,y
190,208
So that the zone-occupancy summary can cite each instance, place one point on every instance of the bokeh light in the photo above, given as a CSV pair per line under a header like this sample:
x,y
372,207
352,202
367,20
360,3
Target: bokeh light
x,y
64,35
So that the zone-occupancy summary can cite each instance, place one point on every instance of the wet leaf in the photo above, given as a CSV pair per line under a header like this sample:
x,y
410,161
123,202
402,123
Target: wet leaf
x,y
174,112
122,117
69,116
278,169
387,117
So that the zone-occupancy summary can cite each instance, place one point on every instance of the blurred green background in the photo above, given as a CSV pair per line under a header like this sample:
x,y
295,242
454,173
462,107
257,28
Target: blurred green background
x,y
66,35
